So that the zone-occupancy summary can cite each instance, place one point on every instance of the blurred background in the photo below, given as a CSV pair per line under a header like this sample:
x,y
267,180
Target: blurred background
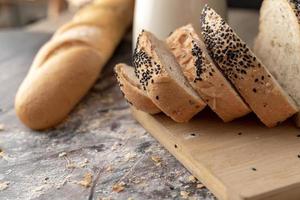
x,y
18,13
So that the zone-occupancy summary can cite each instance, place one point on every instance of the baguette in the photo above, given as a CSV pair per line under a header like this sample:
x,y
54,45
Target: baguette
x,y
132,89
204,76
161,77
278,44
249,76
67,66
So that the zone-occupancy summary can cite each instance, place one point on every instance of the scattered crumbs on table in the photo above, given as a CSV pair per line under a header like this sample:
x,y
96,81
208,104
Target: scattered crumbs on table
x,y
200,186
192,179
184,194
84,163
62,154
119,187
86,181
63,182
2,154
109,168
157,160
129,156
4,185
2,127
71,165
115,146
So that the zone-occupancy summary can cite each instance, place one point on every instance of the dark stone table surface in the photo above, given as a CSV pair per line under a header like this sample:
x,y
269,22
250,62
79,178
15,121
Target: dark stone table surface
x,y
99,152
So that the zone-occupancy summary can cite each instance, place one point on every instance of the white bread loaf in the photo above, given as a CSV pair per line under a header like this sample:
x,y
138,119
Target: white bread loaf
x,y
249,76
161,77
68,65
204,76
278,44
132,89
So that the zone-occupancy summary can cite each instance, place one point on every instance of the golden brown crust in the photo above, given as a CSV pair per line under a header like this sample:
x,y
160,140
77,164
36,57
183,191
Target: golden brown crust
x,y
43,101
162,88
133,91
67,66
250,77
204,76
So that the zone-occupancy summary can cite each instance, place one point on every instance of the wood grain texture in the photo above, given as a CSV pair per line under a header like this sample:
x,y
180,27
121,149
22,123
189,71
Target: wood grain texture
x,y
242,160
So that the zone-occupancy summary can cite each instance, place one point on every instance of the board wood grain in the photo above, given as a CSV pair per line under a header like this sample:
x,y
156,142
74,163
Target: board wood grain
x,y
242,160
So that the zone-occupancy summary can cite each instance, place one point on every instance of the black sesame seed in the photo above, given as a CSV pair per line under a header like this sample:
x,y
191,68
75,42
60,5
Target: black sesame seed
x,y
157,97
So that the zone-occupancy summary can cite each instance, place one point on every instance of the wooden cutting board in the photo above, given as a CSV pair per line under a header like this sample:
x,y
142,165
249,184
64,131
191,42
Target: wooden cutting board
x,y
236,161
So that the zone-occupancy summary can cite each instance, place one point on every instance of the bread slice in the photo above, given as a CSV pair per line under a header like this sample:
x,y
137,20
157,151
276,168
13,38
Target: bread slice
x,y
250,77
161,77
278,44
132,89
204,76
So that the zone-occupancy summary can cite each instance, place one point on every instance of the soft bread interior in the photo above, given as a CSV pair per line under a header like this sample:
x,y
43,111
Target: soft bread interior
x,y
171,66
127,73
278,44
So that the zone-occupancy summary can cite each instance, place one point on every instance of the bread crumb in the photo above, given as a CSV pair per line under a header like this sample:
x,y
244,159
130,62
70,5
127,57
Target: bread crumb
x,y
130,198
109,168
71,165
87,180
4,185
2,154
119,187
157,160
2,127
129,156
84,163
200,186
184,194
192,179
63,154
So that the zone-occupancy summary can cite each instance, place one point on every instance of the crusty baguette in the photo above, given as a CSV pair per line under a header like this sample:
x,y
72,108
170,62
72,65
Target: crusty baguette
x,y
68,65
204,76
250,77
132,89
278,44
161,77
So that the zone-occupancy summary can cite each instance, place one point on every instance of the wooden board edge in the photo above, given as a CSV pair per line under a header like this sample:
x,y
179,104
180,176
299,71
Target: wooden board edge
x,y
161,134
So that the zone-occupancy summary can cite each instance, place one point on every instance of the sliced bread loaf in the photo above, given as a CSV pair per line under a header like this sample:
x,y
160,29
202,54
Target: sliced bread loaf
x,y
204,76
161,77
132,89
249,76
278,44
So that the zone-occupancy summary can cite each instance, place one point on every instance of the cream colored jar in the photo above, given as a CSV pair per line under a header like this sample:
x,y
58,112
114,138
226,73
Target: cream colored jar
x,y
163,16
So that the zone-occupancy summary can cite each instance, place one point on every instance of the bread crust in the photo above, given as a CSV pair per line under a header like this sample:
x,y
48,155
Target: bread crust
x,y
204,76
278,44
250,77
165,92
43,101
68,65
133,91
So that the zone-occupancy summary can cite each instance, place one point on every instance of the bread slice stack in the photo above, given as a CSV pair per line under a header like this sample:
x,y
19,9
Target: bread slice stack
x,y
245,71
204,75
278,44
161,77
180,76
